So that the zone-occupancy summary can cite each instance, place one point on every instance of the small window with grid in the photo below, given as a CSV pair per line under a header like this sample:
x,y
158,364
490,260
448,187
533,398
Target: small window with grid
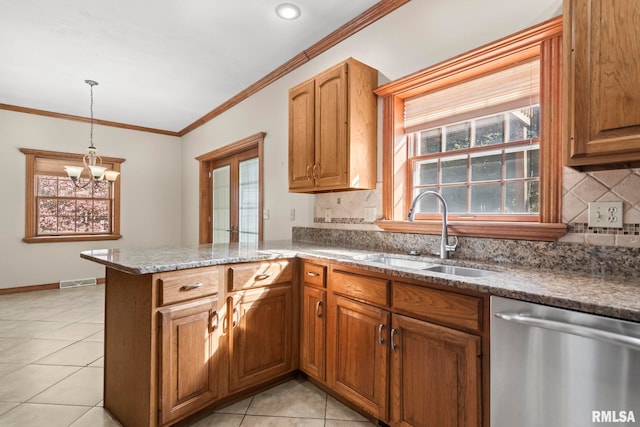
x,y
58,210
478,145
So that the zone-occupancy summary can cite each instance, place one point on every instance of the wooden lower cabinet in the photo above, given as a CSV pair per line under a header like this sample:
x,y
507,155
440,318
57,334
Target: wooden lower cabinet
x,y
261,337
360,354
191,377
313,332
435,375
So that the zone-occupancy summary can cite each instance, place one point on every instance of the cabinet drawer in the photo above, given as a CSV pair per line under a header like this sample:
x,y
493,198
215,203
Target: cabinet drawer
x,y
368,289
188,284
441,306
255,275
314,274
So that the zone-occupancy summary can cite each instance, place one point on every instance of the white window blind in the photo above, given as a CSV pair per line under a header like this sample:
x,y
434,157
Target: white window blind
x,y
510,88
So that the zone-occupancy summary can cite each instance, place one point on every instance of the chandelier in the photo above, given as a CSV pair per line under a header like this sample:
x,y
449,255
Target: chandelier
x,y
93,162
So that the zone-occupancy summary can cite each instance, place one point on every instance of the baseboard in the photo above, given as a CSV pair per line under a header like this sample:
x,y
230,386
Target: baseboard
x,y
34,288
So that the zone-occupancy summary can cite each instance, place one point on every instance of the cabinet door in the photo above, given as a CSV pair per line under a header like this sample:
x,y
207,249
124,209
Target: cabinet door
x,y
359,334
189,378
313,332
602,71
331,145
301,136
261,338
435,375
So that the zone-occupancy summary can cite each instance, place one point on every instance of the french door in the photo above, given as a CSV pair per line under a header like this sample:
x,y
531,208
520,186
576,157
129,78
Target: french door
x,y
236,198
231,192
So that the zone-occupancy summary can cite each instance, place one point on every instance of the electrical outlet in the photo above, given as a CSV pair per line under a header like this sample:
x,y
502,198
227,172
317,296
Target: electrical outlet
x,y
265,214
327,215
605,214
369,214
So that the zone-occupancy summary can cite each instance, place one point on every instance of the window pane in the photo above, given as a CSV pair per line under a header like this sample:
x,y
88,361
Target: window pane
x,y
47,207
486,167
427,173
490,130
533,163
47,224
514,165
66,188
101,208
47,186
428,204
485,198
521,197
454,170
101,191
430,141
456,198
101,225
458,136
524,123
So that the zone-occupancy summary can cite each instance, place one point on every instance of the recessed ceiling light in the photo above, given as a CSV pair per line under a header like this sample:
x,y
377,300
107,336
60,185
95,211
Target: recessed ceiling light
x,y
288,11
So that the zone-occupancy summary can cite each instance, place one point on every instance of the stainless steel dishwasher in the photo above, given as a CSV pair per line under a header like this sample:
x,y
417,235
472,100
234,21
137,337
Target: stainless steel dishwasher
x,y
559,368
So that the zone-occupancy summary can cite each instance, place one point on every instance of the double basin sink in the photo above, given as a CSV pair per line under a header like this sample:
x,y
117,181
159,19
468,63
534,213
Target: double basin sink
x,y
416,264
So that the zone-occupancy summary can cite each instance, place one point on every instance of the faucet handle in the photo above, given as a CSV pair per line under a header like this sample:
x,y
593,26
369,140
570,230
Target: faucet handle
x,y
452,248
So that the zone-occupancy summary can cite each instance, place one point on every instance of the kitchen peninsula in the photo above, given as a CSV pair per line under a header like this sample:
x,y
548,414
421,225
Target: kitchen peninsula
x,y
191,327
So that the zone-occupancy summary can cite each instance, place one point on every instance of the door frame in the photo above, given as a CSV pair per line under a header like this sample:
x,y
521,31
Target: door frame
x,y
205,223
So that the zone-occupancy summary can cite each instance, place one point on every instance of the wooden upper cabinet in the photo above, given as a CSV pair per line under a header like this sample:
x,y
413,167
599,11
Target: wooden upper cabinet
x,y
333,130
601,75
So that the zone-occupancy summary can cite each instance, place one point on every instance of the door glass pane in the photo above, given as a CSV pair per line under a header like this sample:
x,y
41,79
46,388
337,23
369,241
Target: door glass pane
x,y
249,200
221,204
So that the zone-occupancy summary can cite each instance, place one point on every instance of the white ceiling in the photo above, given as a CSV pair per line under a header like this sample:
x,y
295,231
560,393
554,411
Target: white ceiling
x,y
159,63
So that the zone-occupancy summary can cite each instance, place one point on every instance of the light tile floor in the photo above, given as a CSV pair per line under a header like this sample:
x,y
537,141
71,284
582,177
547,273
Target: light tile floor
x,y
51,367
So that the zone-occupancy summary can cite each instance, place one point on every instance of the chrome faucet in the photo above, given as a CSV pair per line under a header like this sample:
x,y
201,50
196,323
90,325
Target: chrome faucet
x,y
445,247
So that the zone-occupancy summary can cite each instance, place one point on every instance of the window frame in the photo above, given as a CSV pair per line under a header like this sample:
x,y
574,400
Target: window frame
x,y
543,41
31,215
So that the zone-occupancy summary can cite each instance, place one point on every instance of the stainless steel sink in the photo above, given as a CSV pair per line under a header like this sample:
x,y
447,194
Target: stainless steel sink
x,y
400,262
459,271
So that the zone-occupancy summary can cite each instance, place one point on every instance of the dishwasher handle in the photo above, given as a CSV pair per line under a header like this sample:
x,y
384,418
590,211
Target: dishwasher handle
x,y
580,330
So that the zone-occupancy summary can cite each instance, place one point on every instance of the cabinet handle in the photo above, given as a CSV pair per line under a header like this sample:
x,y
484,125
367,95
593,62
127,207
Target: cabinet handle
x,y
318,309
312,274
380,329
315,171
192,286
394,332
225,325
213,320
309,172
262,276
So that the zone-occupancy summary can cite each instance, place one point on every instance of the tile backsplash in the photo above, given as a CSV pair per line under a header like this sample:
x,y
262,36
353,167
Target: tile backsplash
x,y
347,210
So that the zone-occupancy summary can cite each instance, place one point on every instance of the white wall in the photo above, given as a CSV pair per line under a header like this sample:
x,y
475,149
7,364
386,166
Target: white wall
x,y
151,195
415,36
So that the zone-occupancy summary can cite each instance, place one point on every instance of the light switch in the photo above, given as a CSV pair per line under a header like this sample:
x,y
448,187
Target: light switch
x,y
265,214
292,215
605,214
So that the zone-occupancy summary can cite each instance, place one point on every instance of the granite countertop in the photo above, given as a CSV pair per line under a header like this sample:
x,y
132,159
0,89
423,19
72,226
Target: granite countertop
x,y
607,295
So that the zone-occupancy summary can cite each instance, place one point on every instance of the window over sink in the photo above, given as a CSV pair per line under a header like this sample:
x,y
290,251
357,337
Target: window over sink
x,y
484,130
